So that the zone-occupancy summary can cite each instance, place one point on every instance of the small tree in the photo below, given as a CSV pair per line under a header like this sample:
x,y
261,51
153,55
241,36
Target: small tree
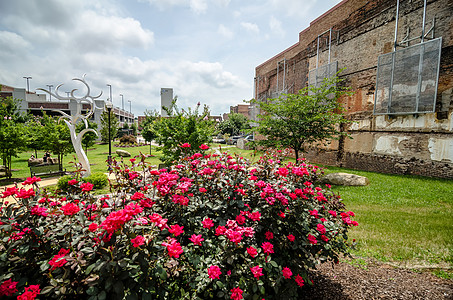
x,y
88,138
56,138
313,115
134,129
33,132
235,124
12,132
114,124
183,127
147,125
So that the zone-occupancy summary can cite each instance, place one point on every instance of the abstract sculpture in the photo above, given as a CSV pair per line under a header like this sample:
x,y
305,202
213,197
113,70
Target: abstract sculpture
x,y
71,120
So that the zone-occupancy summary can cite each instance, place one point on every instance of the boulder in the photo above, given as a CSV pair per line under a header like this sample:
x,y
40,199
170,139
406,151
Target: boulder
x,y
242,144
345,179
122,153
35,161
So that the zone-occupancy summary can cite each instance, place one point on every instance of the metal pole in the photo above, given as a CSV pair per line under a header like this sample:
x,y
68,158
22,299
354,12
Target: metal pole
x,y
50,91
67,94
130,106
423,25
122,101
110,88
28,78
284,74
330,42
110,140
278,70
395,43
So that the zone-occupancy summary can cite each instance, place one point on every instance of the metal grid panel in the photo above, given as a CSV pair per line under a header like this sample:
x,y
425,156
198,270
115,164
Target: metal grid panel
x,y
407,79
316,76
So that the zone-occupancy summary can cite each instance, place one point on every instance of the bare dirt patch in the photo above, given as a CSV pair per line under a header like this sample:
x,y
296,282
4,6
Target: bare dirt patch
x,y
374,280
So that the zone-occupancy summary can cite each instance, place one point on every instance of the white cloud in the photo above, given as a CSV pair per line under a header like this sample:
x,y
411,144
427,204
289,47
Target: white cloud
x,y
198,6
276,26
13,44
250,27
101,33
225,32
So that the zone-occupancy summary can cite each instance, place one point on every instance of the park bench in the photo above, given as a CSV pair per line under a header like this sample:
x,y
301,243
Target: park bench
x,y
45,169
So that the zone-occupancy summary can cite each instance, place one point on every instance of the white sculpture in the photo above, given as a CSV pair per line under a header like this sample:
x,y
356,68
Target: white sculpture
x,y
71,121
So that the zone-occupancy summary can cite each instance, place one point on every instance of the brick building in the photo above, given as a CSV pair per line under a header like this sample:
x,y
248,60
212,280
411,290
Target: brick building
x,y
403,84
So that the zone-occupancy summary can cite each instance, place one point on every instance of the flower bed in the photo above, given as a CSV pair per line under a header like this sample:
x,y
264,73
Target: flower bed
x,y
211,226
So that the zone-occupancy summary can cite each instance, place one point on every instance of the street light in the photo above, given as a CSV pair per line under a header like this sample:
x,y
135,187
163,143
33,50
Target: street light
x,y
28,78
50,91
130,106
110,88
122,101
109,106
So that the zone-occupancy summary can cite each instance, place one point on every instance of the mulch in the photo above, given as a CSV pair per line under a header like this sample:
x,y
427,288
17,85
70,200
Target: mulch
x,y
374,281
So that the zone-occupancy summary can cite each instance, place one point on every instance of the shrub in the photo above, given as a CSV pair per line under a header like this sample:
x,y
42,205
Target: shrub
x,y
209,227
62,183
128,139
98,179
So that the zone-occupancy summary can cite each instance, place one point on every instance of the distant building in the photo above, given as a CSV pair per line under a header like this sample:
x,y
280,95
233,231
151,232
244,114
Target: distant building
x,y
36,104
166,97
243,109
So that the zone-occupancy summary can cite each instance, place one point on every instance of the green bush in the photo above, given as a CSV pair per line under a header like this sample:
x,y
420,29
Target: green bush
x,y
98,179
62,183
128,139
208,227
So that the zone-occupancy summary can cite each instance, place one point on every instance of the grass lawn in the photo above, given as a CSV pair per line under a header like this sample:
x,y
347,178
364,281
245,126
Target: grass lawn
x,y
97,155
406,219
403,219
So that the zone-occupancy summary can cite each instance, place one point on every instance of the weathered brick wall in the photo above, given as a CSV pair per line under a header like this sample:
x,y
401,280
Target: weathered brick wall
x,y
362,30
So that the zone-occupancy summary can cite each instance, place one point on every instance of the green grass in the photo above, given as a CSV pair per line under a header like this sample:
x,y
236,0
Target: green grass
x,y
402,218
97,155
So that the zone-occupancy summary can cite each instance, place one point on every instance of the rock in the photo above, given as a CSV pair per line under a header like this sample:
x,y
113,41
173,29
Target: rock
x,y
345,179
122,153
35,161
242,144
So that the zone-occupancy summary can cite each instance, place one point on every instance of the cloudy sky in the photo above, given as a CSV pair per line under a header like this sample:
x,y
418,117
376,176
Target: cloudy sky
x,y
206,50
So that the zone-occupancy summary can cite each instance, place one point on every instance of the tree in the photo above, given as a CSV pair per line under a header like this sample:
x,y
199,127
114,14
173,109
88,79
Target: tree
x,y
147,125
311,116
33,132
134,129
88,138
235,124
12,132
182,126
56,138
114,124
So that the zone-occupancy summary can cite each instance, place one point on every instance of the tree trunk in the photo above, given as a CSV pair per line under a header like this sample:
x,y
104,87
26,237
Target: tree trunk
x,y
296,152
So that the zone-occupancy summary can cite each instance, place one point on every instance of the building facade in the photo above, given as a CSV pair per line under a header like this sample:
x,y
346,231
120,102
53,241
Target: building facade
x,y
36,104
397,57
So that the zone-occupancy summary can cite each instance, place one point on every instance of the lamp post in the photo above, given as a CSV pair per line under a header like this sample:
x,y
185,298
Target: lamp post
x,y
50,90
110,88
109,106
122,101
28,78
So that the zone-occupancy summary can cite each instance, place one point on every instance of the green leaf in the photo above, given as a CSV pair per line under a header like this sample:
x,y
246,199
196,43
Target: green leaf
x,y
274,264
102,295
220,284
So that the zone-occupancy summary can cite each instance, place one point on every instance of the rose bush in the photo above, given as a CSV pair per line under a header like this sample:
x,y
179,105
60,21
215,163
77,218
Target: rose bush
x,y
211,226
